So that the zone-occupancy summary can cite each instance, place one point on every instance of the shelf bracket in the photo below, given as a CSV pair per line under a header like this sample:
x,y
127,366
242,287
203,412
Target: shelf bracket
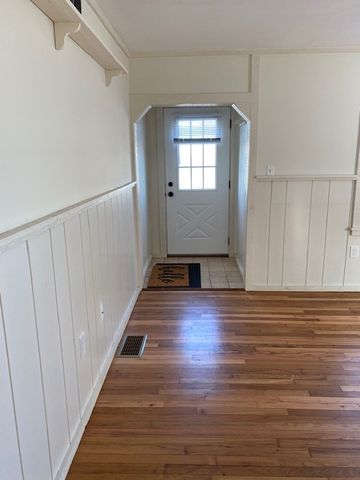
x,y
110,74
62,30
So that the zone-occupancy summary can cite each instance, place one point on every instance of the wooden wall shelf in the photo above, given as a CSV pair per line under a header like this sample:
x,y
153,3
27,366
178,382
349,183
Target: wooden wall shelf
x,y
69,22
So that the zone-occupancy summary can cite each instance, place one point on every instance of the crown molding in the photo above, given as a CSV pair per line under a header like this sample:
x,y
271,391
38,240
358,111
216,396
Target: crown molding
x,y
264,51
107,24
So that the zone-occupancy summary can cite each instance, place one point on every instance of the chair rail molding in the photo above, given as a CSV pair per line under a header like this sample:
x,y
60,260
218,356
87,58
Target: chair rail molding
x,y
301,177
20,234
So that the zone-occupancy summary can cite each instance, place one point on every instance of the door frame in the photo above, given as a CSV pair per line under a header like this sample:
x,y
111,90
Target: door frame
x,y
159,183
169,114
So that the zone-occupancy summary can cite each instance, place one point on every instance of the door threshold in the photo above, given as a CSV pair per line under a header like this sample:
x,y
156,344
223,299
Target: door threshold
x,y
195,255
187,289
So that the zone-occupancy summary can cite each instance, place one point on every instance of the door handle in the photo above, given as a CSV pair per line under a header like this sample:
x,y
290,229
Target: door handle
x,y
171,194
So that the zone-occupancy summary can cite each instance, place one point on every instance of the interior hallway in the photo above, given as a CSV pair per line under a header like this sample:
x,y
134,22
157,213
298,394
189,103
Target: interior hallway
x,y
216,272
235,384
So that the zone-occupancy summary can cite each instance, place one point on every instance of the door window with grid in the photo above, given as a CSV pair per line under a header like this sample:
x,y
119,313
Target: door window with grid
x,y
197,140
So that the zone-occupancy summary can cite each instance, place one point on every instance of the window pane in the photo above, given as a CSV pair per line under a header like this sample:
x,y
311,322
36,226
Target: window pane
x,y
184,178
209,178
209,155
184,155
197,155
197,130
197,178
184,130
210,128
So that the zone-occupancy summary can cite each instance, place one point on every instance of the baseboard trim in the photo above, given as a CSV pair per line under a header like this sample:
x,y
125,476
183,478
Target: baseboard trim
x,y
64,469
327,288
240,267
146,266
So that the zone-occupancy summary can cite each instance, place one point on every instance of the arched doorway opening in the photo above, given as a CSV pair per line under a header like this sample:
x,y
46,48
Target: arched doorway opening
x,y
150,167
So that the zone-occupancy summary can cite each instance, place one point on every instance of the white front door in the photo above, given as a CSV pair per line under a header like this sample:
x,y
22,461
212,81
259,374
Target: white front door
x,y
197,157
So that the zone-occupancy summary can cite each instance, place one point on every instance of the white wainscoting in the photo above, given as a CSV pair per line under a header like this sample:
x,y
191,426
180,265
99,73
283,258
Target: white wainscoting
x,y
70,275
302,234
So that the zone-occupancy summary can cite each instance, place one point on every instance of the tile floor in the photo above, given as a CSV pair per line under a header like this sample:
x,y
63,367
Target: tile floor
x,y
216,272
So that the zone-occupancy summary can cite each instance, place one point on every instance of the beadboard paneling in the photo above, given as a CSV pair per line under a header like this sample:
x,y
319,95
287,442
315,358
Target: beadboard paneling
x,y
90,295
276,233
67,334
117,257
98,287
110,263
24,362
78,302
297,216
336,233
10,461
105,278
261,230
317,232
75,275
52,368
302,234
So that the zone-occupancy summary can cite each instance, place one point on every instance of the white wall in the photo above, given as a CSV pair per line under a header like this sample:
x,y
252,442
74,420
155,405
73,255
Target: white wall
x,y
56,279
64,134
190,80
308,128
309,107
156,151
189,74
143,170
242,193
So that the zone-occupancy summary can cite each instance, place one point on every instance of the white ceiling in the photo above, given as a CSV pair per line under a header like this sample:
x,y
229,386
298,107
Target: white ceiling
x,y
160,26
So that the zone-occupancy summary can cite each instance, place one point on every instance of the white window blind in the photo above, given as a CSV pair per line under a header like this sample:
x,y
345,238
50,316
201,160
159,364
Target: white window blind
x,y
197,130
197,142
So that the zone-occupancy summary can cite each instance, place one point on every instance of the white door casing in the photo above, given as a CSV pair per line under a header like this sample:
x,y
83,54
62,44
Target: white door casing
x,y
198,211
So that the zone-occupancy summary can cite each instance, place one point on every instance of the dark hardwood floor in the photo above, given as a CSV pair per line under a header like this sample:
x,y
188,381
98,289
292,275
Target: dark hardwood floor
x,y
231,384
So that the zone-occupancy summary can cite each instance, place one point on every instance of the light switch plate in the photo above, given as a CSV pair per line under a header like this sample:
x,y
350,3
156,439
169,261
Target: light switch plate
x,y
354,251
270,170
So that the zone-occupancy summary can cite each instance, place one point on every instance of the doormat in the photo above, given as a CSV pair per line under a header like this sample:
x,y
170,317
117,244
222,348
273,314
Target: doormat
x,y
175,275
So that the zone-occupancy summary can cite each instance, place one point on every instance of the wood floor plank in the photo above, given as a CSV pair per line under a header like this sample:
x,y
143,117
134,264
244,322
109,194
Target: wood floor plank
x,y
231,385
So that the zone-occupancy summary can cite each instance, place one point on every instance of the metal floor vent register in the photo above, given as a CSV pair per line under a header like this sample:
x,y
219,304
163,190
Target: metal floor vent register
x,y
132,346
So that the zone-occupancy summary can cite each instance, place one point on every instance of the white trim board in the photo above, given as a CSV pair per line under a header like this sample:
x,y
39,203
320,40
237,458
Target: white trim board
x,y
300,178
240,267
147,266
264,288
